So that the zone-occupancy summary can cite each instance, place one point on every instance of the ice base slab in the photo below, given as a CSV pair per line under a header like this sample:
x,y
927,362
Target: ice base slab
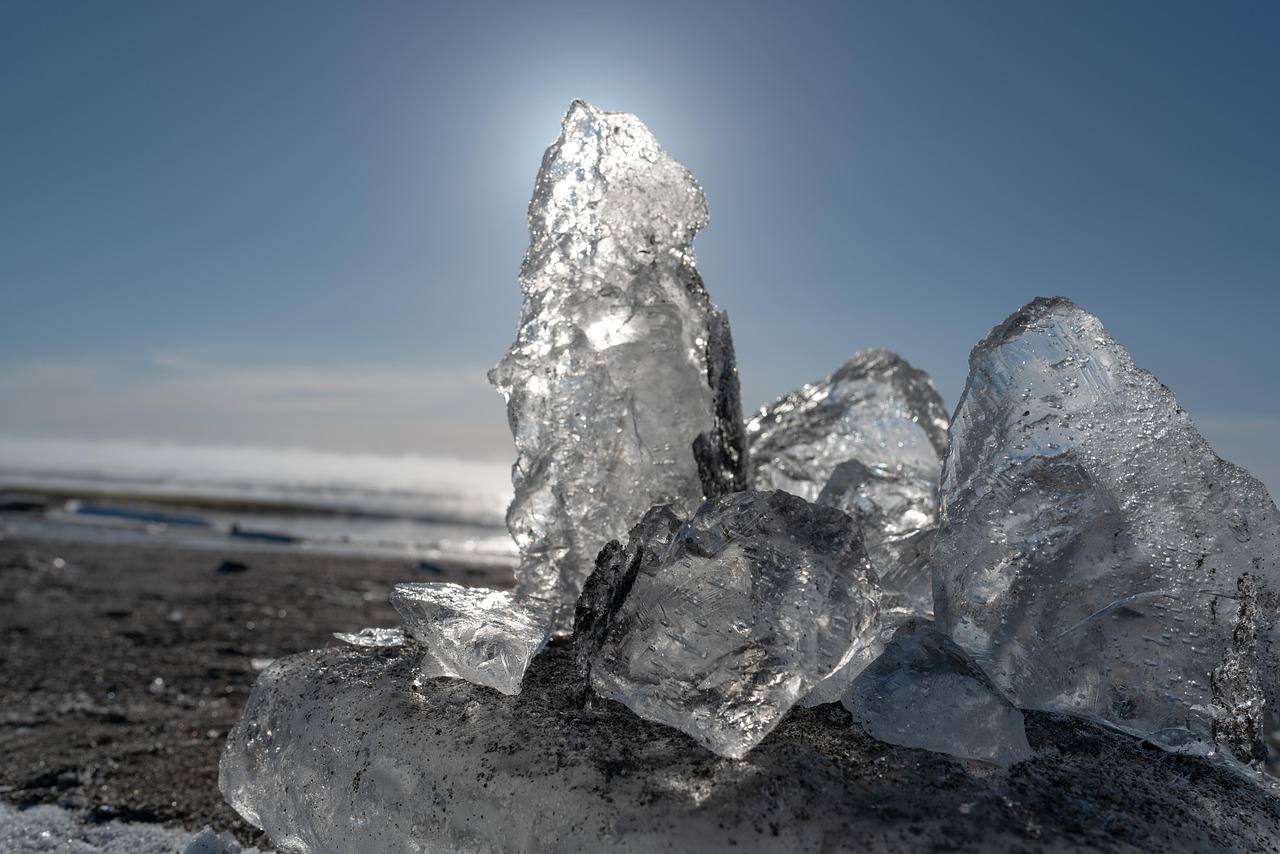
x,y
338,752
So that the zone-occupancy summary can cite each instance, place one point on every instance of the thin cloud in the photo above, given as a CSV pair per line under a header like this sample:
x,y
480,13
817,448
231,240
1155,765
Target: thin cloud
x,y
437,411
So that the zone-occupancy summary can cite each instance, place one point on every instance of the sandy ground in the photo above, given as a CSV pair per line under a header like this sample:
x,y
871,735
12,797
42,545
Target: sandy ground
x,y
125,667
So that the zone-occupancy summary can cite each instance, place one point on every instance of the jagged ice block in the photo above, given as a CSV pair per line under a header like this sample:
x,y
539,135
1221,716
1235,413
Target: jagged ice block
x,y
621,363
1094,555
734,617
484,636
869,439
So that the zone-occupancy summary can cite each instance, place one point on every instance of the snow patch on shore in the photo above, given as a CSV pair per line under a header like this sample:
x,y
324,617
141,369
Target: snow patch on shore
x,y
48,828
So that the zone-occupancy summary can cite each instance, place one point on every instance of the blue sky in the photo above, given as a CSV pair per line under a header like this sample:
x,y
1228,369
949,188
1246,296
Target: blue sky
x,y
300,223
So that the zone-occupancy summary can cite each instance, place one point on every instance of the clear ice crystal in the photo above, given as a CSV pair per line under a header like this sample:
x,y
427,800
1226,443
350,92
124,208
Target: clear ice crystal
x,y
869,440
621,363
898,516
734,617
925,691
1094,555
621,389
484,636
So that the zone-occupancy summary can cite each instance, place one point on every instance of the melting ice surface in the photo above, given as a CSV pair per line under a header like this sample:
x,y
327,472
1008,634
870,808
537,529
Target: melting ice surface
x,y
621,388
1094,554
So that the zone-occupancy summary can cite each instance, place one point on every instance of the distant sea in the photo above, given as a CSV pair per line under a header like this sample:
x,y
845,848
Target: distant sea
x,y
427,509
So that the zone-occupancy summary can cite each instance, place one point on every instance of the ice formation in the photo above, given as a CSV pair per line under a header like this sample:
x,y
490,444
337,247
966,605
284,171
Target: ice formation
x,y
621,362
733,617
621,389
868,439
608,587
926,692
1091,555
1094,554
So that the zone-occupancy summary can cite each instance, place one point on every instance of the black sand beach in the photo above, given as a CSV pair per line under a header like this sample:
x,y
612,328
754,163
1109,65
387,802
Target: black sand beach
x,y
125,667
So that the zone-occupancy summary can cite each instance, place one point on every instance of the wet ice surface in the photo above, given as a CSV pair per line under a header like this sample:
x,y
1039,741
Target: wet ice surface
x,y
926,692
1094,554
609,585
736,615
869,440
373,637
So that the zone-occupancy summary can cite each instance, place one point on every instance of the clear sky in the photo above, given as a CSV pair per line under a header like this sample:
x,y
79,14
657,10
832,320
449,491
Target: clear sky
x,y
300,223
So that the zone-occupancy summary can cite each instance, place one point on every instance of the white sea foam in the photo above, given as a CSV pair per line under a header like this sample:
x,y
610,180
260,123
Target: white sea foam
x,y
429,509
410,484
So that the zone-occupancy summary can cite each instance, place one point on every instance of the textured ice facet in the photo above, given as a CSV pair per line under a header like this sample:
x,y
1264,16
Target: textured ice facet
x,y
735,616
484,636
924,691
372,637
1094,554
615,573
869,439
621,362
721,454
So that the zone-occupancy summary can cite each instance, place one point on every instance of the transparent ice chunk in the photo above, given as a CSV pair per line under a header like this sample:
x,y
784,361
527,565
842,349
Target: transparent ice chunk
x,y
869,440
621,388
621,363
484,636
898,514
1094,555
751,603
924,691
